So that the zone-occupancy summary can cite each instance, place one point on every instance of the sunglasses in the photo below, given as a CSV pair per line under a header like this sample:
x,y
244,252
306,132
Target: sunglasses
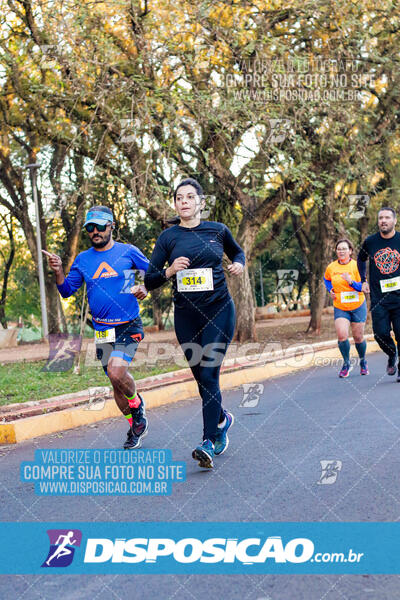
x,y
90,227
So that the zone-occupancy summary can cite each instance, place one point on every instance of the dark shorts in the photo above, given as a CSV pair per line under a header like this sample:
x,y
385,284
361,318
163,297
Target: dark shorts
x,y
358,315
127,339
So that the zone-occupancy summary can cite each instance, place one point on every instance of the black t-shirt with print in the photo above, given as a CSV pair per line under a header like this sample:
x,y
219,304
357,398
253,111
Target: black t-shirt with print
x,y
384,263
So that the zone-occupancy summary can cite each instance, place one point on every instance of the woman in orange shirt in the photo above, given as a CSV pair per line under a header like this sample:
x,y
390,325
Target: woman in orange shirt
x,y
343,282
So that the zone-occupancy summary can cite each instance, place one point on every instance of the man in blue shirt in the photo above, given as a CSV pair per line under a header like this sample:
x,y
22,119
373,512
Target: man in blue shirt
x,y
108,268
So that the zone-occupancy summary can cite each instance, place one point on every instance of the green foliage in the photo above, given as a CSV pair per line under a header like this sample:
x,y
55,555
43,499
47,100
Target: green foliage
x,y
282,253
23,294
162,76
23,287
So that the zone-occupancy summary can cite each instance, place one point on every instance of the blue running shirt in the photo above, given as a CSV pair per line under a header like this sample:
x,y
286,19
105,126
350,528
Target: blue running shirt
x,y
109,275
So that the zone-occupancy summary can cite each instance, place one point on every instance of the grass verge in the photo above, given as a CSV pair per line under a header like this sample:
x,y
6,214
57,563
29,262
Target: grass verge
x,y
25,381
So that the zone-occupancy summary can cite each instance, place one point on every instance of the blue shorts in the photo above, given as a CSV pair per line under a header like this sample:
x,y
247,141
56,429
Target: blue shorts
x,y
358,315
127,339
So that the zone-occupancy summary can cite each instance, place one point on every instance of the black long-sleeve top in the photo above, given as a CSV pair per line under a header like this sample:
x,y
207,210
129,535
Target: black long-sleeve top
x,y
204,245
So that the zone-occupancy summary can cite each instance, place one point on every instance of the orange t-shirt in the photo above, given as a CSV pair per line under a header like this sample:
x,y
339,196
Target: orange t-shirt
x,y
346,297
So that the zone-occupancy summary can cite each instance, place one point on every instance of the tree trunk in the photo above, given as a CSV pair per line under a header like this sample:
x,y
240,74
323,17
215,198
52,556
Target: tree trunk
x,y
52,303
253,284
61,316
317,301
319,257
362,226
241,290
300,286
6,274
157,311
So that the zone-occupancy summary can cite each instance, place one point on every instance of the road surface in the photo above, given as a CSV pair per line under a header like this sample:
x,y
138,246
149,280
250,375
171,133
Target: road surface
x,y
269,473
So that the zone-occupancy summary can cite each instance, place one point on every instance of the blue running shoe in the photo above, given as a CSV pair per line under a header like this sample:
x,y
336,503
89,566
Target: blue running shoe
x,y
204,453
221,437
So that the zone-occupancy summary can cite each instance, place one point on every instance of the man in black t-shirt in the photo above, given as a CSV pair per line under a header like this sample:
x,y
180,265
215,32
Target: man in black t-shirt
x,y
383,251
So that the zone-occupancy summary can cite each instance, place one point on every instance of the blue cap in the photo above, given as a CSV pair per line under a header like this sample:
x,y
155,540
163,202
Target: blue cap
x,y
99,215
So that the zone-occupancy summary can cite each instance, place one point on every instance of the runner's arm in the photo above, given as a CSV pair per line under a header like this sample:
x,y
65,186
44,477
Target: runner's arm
x,y
141,263
156,274
327,279
72,282
66,285
232,249
328,282
139,259
362,262
356,285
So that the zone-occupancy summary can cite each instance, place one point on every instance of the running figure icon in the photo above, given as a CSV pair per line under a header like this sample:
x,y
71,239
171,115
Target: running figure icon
x,y
62,549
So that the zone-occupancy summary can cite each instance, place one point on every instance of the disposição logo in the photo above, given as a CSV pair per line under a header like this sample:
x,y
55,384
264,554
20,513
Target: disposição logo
x,y
62,547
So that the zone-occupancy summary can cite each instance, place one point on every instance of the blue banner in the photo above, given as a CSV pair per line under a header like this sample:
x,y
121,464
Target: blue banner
x,y
212,548
105,472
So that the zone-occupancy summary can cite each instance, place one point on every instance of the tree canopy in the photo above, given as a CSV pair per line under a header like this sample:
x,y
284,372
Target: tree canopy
x,y
284,111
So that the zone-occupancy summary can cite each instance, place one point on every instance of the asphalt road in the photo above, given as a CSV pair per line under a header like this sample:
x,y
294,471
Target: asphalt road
x,y
269,473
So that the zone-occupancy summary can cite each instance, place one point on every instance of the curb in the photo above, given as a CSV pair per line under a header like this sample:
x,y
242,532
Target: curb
x,y
43,417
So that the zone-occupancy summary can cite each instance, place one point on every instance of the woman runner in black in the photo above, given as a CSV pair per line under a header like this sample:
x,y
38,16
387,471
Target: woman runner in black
x,y
204,311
